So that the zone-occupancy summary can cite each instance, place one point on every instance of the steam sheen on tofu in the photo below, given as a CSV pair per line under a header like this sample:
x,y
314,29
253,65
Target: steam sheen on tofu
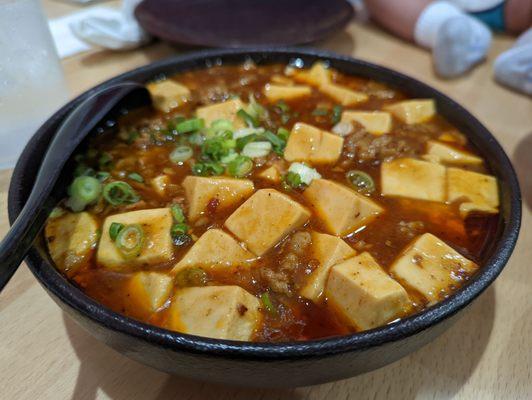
x,y
407,177
265,219
478,192
215,249
275,92
221,312
226,192
158,247
431,267
71,239
168,94
413,111
343,95
328,250
375,122
313,145
225,110
148,291
339,208
364,294
447,154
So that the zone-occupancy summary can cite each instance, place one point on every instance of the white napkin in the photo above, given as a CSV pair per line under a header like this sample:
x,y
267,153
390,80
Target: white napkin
x,y
116,30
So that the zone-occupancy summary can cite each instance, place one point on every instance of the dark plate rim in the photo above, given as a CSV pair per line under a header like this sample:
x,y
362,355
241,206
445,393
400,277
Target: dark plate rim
x,y
74,298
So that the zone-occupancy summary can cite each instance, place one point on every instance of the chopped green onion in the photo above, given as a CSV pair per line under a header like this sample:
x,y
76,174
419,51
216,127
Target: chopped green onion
x,y
243,132
336,114
222,125
243,141
217,147
257,149
179,229
83,191
56,212
283,133
267,301
196,138
105,161
240,166
191,277
319,112
130,240
256,110
115,229
361,181
177,213
102,176
229,157
248,119
306,173
83,169
278,142
132,136
136,177
293,180
181,154
119,192
190,125
281,105
285,118
207,168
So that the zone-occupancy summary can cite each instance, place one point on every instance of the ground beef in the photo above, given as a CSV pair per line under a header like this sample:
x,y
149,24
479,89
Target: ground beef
x,y
363,147
280,279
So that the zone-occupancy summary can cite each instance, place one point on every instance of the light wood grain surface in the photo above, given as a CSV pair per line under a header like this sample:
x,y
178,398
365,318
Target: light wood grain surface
x,y
486,355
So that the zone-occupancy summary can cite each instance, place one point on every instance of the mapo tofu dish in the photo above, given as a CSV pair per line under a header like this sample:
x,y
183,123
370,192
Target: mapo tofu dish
x,y
274,203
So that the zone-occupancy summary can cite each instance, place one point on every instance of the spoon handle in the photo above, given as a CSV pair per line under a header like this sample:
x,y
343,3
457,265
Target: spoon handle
x,y
76,126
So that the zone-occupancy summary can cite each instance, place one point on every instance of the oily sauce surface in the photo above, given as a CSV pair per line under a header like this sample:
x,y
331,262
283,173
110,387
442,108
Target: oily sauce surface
x,y
142,143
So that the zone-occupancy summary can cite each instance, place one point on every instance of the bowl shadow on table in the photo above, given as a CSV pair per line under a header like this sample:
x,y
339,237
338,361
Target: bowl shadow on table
x,y
522,160
439,367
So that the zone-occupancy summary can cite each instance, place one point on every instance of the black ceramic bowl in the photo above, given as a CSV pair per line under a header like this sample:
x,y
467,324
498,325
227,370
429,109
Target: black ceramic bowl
x,y
275,364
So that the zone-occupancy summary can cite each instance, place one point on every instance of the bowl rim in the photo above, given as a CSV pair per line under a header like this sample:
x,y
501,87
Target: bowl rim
x,y
74,298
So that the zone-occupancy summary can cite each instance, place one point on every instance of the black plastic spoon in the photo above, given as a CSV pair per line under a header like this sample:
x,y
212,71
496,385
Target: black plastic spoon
x,y
74,129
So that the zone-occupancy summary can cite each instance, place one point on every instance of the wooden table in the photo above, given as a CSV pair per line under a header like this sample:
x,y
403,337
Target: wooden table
x,y
486,355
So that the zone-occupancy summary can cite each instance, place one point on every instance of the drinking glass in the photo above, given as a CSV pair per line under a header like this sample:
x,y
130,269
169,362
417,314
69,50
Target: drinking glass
x,y
32,84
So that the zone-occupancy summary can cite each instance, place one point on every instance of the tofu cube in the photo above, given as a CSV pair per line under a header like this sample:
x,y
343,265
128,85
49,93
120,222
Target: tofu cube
x,y
225,110
313,145
168,94
328,250
447,154
413,111
340,209
274,92
71,240
265,219
158,247
215,249
415,179
219,312
375,122
224,192
431,267
159,184
342,95
270,174
478,192
148,291
317,75
364,294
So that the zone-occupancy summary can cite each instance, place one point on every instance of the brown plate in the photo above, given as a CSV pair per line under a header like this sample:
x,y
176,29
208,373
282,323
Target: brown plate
x,y
241,23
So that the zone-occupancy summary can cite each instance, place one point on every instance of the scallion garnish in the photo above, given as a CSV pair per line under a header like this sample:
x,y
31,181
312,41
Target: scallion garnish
x,y
105,160
181,154
320,112
177,213
190,125
130,240
277,142
119,192
115,229
240,166
217,147
283,133
136,177
83,191
336,114
257,149
179,229
102,176
207,168
248,119
360,181
222,125
293,180
282,106
267,301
